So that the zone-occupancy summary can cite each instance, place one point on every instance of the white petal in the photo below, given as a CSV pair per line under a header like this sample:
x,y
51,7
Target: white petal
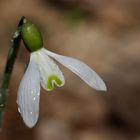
x,y
80,69
49,72
29,94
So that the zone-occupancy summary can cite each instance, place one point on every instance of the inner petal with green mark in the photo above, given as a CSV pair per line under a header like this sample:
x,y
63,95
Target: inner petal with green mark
x,y
50,74
53,79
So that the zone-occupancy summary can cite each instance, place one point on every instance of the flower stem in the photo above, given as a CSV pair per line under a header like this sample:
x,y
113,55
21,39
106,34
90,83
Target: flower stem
x,y
14,46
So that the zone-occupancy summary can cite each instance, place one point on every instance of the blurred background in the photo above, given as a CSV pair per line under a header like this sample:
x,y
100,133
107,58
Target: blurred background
x,y
105,34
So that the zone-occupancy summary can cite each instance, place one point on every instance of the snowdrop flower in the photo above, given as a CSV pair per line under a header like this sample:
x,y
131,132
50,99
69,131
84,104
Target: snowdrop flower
x,y
43,70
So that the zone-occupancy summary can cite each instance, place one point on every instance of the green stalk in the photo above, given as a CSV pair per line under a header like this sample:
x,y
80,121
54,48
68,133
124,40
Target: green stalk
x,y
15,43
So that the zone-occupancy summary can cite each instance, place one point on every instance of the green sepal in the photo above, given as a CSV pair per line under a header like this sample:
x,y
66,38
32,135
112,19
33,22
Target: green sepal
x,y
31,36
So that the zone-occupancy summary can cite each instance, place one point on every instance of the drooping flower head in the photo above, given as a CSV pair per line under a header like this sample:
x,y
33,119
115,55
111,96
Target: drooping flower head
x,y
43,70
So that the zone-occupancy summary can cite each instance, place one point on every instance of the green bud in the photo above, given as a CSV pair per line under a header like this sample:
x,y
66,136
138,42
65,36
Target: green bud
x,y
31,36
